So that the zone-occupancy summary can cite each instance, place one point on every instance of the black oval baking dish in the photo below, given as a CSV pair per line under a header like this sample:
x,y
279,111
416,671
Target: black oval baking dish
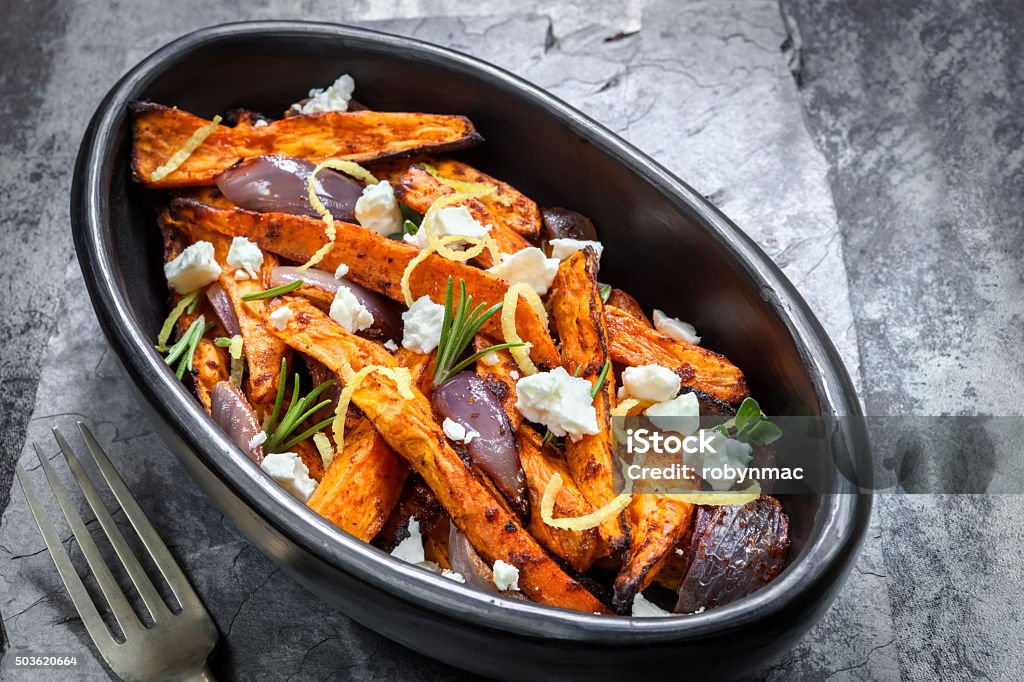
x,y
662,238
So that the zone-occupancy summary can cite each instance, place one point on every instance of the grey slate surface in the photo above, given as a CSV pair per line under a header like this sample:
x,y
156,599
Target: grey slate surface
x,y
704,88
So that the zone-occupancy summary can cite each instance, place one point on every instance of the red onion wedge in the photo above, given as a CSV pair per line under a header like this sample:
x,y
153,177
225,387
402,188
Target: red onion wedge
x,y
279,184
387,314
466,400
464,560
232,413
221,304
561,223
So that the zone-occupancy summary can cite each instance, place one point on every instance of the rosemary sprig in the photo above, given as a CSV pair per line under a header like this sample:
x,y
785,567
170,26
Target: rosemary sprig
x,y
184,348
460,325
271,293
299,410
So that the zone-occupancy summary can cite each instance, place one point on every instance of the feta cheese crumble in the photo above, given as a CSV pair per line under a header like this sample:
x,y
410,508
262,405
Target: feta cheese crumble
x,y
333,98
642,608
563,248
506,576
349,312
279,318
291,473
259,439
723,455
452,575
245,255
558,401
341,271
195,267
241,275
411,548
529,266
676,328
260,123
681,414
652,383
377,209
490,358
391,345
452,220
457,432
423,320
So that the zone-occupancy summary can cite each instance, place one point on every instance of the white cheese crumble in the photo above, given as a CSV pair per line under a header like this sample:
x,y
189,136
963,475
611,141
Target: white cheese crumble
x,y
506,576
260,123
642,608
422,325
245,255
333,98
681,414
195,267
391,345
452,575
652,383
563,248
411,548
558,401
452,220
291,473
241,275
728,455
490,358
341,271
676,328
259,439
529,266
513,374
279,318
377,209
457,432
349,312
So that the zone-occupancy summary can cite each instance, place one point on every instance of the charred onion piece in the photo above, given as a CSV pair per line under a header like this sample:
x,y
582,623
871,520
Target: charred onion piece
x,y
277,184
734,552
221,304
465,399
464,560
387,314
232,413
561,223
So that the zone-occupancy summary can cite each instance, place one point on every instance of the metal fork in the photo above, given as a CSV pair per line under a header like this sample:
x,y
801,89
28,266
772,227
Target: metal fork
x,y
177,645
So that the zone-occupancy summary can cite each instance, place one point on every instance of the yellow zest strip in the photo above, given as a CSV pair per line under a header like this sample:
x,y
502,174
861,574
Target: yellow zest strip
x,y
406,290
349,168
726,499
179,157
323,446
165,331
586,522
623,408
475,190
400,375
237,364
521,354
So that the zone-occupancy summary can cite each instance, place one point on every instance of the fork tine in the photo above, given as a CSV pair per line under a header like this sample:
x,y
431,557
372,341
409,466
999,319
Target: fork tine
x,y
94,624
118,603
157,609
162,557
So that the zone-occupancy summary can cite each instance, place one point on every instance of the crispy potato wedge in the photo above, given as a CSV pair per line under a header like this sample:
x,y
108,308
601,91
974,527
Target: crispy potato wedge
x,y
499,377
659,523
419,189
626,303
409,427
632,343
578,315
578,548
374,261
160,131
508,205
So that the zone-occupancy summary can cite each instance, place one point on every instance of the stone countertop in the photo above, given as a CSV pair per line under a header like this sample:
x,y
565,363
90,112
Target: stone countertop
x,y
706,89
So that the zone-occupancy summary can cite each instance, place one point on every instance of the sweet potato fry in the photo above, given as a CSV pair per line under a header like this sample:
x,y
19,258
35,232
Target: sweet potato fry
x,y
159,131
577,548
374,261
626,303
419,189
658,524
409,427
632,343
499,378
508,205
577,312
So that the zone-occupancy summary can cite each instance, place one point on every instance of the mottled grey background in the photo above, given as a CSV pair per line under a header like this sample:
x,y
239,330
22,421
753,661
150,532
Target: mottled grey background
x,y
874,151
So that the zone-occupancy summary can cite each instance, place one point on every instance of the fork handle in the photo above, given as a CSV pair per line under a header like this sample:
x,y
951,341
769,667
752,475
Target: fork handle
x,y
204,675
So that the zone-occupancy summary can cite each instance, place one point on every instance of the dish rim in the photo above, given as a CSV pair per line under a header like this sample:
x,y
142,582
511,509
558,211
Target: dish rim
x,y
837,530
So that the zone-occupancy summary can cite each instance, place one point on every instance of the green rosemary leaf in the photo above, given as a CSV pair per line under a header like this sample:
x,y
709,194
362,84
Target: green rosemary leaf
x,y
271,293
410,215
480,353
601,378
460,324
280,397
315,428
605,291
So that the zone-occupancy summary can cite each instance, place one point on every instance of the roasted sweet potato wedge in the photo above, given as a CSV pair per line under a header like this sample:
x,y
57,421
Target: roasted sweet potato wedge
x,y
540,463
409,427
626,303
658,524
374,261
160,131
508,205
499,377
633,343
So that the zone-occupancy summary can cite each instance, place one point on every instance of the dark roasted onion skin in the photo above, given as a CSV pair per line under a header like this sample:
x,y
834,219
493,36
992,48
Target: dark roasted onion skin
x,y
232,412
466,400
279,184
561,223
221,304
464,560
